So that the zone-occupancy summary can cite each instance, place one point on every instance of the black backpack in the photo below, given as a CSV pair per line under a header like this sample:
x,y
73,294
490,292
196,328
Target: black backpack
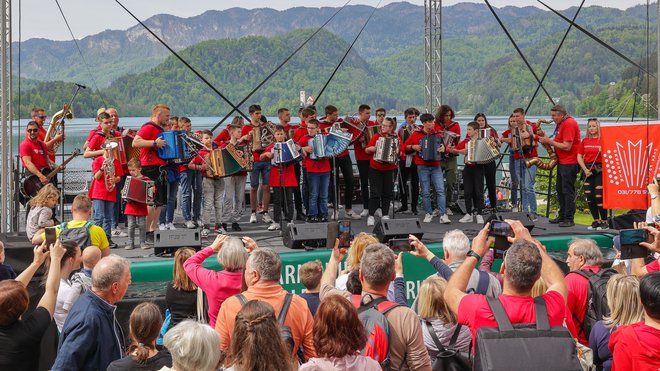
x,y
287,336
448,359
524,346
596,307
80,235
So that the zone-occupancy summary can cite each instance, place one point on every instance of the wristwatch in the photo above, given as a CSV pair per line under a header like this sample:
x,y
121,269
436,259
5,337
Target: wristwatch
x,y
473,254
653,197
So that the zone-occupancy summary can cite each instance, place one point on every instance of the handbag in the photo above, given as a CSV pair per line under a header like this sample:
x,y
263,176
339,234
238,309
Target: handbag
x,y
201,307
448,359
164,327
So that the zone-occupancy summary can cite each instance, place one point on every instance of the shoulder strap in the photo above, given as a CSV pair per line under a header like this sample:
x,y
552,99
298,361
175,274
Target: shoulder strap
x,y
541,309
241,298
484,280
434,336
502,319
88,225
63,226
285,308
454,337
584,273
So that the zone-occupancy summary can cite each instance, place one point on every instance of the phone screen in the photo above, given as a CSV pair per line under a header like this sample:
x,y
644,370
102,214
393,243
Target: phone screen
x,y
344,233
51,236
633,236
400,244
500,228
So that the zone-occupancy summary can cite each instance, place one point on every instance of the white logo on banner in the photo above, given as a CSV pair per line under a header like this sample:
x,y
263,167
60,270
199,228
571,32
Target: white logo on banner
x,y
630,164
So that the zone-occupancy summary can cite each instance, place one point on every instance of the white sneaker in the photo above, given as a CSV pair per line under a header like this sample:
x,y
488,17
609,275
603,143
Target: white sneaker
x,y
171,226
274,226
117,232
378,213
364,213
190,224
353,215
449,212
162,227
146,246
129,247
266,218
253,218
334,215
435,212
480,219
428,218
385,217
467,218
205,232
514,209
445,219
370,221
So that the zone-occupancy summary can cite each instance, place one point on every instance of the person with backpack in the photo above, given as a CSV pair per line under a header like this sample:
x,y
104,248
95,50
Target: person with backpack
x,y
587,286
395,334
80,230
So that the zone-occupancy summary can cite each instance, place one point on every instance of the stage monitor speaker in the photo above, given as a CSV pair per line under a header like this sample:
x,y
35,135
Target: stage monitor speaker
x,y
525,218
397,228
167,242
308,235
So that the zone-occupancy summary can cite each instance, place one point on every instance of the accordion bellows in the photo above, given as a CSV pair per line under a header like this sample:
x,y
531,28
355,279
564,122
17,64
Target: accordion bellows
x,y
482,151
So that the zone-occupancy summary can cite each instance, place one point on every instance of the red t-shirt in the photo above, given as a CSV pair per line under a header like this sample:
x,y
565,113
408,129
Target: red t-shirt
x,y
42,137
635,347
590,150
288,172
149,155
379,165
98,139
360,154
653,266
404,136
568,131
313,166
136,208
325,125
36,151
474,312
197,160
577,300
94,131
300,132
415,139
97,190
222,137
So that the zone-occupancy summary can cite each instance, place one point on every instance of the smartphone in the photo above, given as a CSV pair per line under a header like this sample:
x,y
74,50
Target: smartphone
x,y
400,244
344,233
499,228
51,236
630,239
331,235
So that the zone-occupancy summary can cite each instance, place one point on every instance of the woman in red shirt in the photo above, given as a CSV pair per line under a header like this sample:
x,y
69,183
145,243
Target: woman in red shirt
x,y
589,158
490,169
473,178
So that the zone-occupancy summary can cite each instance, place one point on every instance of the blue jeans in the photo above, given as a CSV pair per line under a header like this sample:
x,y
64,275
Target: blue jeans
x,y
514,181
318,194
191,189
428,175
167,214
527,177
259,168
103,211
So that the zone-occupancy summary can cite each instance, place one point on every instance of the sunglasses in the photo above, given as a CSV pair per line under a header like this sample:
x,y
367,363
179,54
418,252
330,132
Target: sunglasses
x,y
32,130
380,114
43,117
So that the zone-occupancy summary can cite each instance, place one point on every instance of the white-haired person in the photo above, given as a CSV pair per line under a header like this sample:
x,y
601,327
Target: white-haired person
x,y
194,347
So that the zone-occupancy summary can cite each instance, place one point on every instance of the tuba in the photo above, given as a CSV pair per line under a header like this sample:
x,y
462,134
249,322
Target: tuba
x,y
108,166
547,165
55,127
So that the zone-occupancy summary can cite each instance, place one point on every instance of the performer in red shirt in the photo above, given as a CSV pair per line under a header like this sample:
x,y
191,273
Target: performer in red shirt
x,y
104,199
362,158
136,212
34,154
318,174
285,120
407,166
39,116
566,143
305,115
444,119
260,169
380,174
589,158
490,169
473,179
513,186
234,195
525,141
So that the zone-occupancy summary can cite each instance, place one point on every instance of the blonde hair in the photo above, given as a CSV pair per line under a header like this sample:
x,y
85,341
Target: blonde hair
x,y
623,300
81,203
597,125
431,302
539,288
157,108
360,242
48,191
180,280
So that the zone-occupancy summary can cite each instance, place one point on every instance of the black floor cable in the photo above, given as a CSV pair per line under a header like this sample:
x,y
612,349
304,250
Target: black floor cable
x,y
529,66
346,54
596,39
280,65
184,62
552,61
82,57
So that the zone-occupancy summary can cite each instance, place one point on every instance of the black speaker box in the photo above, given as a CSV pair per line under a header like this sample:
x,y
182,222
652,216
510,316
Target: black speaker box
x,y
397,228
167,242
298,236
525,218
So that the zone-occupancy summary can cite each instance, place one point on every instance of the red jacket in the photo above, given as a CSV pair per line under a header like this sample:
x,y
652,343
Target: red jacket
x,y
635,348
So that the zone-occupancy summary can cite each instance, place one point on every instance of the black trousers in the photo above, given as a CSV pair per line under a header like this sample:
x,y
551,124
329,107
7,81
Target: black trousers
x,y
489,175
305,189
473,186
297,195
280,193
363,170
381,186
346,166
566,176
593,191
409,173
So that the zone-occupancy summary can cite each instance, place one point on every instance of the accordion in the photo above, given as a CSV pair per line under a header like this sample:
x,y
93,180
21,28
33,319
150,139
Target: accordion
x,y
262,137
482,151
354,126
387,150
127,141
138,190
318,147
330,145
484,133
450,139
369,133
230,160
285,153
175,147
431,144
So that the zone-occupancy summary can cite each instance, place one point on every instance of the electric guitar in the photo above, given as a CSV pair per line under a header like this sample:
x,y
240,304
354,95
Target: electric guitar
x,y
31,185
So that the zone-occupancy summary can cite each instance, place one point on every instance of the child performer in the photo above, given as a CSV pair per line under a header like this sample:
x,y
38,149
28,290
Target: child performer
x,y
213,186
136,212
283,187
473,178
41,210
103,200
380,174
318,175
234,196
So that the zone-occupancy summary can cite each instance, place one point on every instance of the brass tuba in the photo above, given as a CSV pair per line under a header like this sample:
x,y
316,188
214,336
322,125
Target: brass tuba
x,y
547,165
108,166
55,127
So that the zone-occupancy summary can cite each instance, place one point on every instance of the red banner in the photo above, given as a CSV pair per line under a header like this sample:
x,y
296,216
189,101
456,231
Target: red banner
x,y
631,158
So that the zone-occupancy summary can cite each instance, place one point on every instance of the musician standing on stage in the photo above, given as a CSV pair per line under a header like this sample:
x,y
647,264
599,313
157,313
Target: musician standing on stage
x,y
118,215
590,159
506,138
407,167
318,174
566,143
490,169
260,169
285,120
191,186
166,218
527,138
473,178
362,158
104,199
305,115
283,188
341,162
34,156
429,171
445,121
214,187
380,174
39,116
154,167
234,196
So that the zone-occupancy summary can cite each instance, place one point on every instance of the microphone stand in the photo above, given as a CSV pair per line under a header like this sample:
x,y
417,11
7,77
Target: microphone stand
x,y
335,187
73,98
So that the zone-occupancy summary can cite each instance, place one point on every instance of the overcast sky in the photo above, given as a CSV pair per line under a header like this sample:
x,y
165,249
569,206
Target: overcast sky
x,y
41,18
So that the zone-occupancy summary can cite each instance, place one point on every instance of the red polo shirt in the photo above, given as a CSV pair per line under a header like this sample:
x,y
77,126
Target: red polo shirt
x,y
300,132
149,155
360,154
313,166
568,131
590,150
379,165
222,137
577,299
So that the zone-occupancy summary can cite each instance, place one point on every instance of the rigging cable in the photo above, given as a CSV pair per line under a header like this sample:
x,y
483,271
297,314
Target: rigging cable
x,y
519,51
552,61
89,71
184,62
20,40
347,51
280,65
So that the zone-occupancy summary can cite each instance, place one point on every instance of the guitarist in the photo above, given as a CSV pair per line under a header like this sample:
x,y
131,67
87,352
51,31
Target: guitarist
x,y
34,156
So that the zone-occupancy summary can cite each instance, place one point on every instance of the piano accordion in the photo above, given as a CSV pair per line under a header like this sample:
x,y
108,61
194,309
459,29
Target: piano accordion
x,y
387,150
482,151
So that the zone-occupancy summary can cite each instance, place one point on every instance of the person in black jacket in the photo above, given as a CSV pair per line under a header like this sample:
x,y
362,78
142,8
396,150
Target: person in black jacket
x,y
181,294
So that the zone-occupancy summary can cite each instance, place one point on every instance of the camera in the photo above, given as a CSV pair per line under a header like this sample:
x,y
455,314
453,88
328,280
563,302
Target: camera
x,y
400,245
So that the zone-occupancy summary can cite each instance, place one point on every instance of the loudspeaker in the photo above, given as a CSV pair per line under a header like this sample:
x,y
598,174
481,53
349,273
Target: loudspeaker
x,y
298,236
525,218
167,242
397,228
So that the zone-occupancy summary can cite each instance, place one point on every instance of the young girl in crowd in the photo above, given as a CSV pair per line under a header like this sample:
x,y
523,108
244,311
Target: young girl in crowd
x,y
473,178
136,212
234,196
318,175
283,188
41,210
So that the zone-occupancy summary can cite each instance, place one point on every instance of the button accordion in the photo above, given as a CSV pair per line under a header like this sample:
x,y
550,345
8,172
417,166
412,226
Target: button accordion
x,y
388,150
431,144
285,153
330,145
138,190
228,161
369,132
175,147
262,137
482,151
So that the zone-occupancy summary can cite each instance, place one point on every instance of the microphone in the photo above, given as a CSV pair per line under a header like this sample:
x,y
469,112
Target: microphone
x,y
80,86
